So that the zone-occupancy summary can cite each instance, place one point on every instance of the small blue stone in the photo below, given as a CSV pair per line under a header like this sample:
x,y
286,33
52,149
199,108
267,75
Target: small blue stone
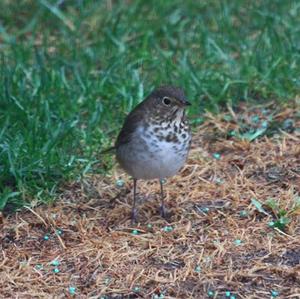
x,y
59,231
136,289
198,269
55,263
56,270
271,224
205,210
39,267
237,242
135,232
168,228
232,297
46,237
219,181
232,133
255,118
274,293
210,293
287,124
243,213
72,290
149,225
227,293
264,124
217,156
120,183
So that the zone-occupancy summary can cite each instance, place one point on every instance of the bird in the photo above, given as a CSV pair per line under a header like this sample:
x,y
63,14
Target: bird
x,y
155,140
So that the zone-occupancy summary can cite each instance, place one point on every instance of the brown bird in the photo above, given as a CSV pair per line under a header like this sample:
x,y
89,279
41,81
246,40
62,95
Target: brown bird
x,y
155,139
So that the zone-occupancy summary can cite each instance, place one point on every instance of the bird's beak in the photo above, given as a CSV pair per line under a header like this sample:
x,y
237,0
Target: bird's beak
x,y
187,103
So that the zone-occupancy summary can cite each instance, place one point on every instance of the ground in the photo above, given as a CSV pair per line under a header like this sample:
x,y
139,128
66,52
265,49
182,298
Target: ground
x,y
234,224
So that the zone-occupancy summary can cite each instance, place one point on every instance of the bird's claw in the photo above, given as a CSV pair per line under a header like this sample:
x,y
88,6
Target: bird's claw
x,y
162,211
134,216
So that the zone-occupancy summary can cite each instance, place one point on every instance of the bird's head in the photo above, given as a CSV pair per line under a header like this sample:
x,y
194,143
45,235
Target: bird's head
x,y
167,102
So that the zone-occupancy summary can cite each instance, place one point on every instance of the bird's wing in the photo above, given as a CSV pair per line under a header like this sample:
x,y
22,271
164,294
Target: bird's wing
x,y
108,150
132,122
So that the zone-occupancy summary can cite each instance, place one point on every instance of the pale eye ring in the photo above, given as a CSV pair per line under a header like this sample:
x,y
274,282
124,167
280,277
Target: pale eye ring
x,y
166,101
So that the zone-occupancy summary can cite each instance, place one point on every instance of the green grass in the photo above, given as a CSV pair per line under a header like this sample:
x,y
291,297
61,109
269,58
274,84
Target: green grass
x,y
71,70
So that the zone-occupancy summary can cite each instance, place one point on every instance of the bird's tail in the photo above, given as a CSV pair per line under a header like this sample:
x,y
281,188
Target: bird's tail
x,y
108,150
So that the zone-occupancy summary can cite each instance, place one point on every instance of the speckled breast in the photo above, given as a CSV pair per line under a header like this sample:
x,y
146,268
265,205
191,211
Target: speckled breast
x,y
157,151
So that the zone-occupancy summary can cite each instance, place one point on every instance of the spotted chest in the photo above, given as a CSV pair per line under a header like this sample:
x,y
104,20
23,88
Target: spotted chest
x,y
176,135
158,151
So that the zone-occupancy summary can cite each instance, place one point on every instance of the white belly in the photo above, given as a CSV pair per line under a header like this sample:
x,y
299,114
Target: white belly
x,y
147,157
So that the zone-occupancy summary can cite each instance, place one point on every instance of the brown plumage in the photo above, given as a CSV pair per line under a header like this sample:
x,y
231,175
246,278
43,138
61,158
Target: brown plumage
x,y
155,138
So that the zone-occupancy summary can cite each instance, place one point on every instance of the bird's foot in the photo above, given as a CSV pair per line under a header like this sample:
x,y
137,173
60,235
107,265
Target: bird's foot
x,y
133,216
162,211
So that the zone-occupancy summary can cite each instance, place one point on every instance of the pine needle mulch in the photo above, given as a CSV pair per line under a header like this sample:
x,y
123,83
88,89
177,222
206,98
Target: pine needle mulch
x,y
234,228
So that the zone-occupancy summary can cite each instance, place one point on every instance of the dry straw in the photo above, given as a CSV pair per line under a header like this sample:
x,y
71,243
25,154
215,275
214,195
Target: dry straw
x,y
218,243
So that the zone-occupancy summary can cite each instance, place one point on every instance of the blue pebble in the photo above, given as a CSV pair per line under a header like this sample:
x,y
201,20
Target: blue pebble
x,y
59,231
264,124
210,293
243,213
219,181
168,228
232,297
46,237
237,242
205,210
39,267
274,293
271,223
72,290
255,118
198,269
217,156
227,293
120,183
232,133
55,263
56,270
135,232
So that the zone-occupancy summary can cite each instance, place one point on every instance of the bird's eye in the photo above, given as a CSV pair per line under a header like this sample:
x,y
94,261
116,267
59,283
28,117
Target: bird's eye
x,y
166,101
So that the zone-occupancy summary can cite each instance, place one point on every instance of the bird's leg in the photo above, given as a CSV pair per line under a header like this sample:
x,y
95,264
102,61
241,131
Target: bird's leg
x,y
162,207
134,210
